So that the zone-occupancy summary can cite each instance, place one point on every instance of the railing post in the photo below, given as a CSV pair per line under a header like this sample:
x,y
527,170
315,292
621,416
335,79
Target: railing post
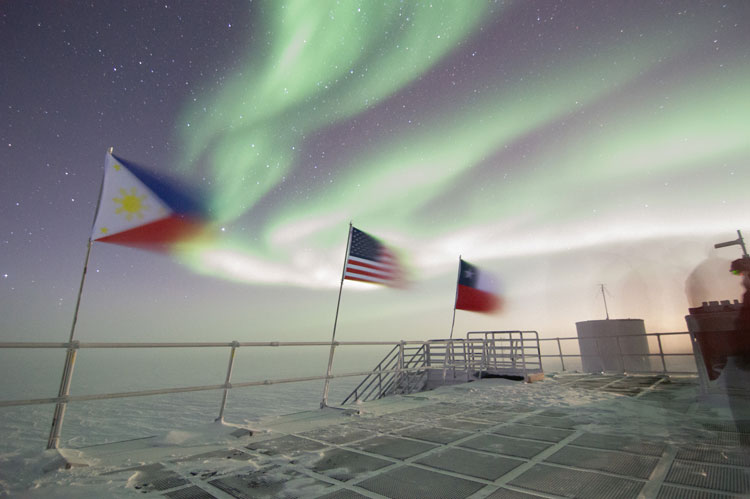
x,y
523,358
559,349
324,402
59,415
400,362
661,354
227,385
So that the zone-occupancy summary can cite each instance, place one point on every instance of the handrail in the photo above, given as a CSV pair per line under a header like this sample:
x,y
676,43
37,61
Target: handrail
x,y
403,369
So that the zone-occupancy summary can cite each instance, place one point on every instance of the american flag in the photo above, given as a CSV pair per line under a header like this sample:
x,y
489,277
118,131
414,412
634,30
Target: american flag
x,y
369,260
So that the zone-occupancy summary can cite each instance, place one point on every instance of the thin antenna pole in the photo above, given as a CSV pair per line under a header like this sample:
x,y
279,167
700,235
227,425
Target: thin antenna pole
x,y
324,402
70,357
606,310
456,298
742,244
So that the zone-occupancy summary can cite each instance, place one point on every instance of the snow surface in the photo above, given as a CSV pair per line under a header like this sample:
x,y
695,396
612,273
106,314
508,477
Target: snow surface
x,y
33,473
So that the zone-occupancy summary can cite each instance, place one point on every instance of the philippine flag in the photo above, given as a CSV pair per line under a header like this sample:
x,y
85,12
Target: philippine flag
x,y
477,290
139,209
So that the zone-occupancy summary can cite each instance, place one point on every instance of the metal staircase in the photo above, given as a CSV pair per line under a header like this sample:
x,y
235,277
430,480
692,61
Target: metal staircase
x,y
427,365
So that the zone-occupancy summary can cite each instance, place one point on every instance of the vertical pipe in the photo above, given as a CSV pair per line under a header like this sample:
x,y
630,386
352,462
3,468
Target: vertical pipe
x,y
661,354
227,386
559,349
400,363
455,299
324,402
59,414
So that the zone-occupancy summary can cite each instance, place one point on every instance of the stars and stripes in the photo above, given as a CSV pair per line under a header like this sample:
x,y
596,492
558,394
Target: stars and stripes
x,y
369,260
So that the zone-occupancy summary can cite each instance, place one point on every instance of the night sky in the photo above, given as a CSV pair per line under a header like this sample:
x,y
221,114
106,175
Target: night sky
x,y
559,144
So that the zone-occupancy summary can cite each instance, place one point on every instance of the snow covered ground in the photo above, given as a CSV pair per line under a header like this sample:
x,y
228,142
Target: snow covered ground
x,y
663,410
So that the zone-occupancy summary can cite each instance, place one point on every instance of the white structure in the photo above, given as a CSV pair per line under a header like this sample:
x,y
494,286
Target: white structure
x,y
614,345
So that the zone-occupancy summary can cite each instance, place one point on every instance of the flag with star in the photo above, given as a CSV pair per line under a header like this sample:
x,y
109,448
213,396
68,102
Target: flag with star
x,y
369,260
137,208
478,290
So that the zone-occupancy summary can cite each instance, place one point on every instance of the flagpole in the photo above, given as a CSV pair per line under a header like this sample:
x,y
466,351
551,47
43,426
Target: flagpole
x,y
324,402
70,358
456,298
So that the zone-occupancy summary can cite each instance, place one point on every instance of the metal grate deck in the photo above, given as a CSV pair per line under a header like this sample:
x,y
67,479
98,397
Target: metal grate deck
x,y
397,448
710,476
533,432
632,444
672,492
505,445
579,484
602,460
471,463
192,492
409,482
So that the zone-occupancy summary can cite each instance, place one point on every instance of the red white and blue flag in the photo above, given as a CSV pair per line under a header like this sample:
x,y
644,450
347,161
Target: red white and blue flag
x,y
369,260
478,290
139,209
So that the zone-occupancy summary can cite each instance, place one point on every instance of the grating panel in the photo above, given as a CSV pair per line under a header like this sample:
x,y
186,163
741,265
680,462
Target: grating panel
x,y
727,438
555,413
738,426
622,390
672,492
462,424
443,409
579,484
716,455
533,432
192,492
432,434
709,476
169,481
343,494
493,417
234,454
397,448
613,462
289,445
344,465
538,420
471,463
153,477
262,484
409,482
511,494
340,434
504,445
412,415
619,442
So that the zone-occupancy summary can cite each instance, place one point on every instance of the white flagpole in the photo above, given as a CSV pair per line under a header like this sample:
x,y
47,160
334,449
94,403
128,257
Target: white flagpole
x,y
324,402
456,298
70,358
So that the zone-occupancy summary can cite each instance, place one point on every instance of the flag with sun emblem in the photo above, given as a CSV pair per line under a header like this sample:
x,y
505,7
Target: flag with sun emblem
x,y
139,209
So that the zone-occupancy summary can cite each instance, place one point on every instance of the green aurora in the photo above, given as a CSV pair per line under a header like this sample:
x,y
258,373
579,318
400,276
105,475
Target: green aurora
x,y
569,136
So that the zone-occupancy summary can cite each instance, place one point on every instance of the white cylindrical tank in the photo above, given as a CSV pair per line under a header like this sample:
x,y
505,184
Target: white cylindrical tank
x,y
613,345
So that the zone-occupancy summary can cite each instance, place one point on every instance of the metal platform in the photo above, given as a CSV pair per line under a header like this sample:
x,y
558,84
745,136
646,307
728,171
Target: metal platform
x,y
487,439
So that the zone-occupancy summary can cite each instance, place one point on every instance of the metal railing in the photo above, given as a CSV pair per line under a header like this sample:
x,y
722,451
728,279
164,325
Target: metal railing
x,y
620,354
481,353
403,370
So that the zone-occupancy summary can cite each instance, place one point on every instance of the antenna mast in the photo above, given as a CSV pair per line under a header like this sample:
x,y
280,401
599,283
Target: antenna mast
x,y
606,310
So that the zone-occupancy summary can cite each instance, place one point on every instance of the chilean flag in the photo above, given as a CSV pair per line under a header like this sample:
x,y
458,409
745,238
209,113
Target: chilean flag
x,y
477,290
139,209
